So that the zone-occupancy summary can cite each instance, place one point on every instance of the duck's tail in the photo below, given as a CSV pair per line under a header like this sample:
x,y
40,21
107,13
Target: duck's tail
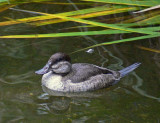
x,y
129,69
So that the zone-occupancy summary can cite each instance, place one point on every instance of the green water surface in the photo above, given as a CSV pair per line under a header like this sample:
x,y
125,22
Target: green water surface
x,y
135,99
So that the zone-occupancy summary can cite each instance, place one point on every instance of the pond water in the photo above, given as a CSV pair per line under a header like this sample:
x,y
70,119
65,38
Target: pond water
x,y
134,99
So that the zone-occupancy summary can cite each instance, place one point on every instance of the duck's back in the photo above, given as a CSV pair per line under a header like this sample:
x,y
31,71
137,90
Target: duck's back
x,y
83,71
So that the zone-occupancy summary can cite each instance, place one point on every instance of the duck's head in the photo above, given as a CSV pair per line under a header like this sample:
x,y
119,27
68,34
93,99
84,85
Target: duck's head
x,y
59,63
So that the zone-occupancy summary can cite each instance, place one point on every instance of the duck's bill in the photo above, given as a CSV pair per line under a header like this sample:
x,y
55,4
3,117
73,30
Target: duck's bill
x,y
44,70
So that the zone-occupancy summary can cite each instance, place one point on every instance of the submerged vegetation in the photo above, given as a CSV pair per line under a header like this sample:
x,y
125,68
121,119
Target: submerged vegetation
x,y
141,17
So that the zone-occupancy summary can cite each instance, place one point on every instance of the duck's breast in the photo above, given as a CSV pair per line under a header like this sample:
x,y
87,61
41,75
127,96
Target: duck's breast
x,y
53,81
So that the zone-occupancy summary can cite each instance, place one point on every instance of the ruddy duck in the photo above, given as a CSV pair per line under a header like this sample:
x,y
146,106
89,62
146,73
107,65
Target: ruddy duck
x,y
60,75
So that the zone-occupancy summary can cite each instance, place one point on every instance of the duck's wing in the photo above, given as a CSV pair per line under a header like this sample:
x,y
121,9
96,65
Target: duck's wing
x,y
83,71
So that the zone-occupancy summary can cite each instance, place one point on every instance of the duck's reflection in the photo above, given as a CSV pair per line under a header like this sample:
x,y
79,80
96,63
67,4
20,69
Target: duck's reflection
x,y
58,105
60,102
90,94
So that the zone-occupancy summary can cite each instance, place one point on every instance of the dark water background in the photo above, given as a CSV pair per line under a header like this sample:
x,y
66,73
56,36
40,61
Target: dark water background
x,y
136,98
